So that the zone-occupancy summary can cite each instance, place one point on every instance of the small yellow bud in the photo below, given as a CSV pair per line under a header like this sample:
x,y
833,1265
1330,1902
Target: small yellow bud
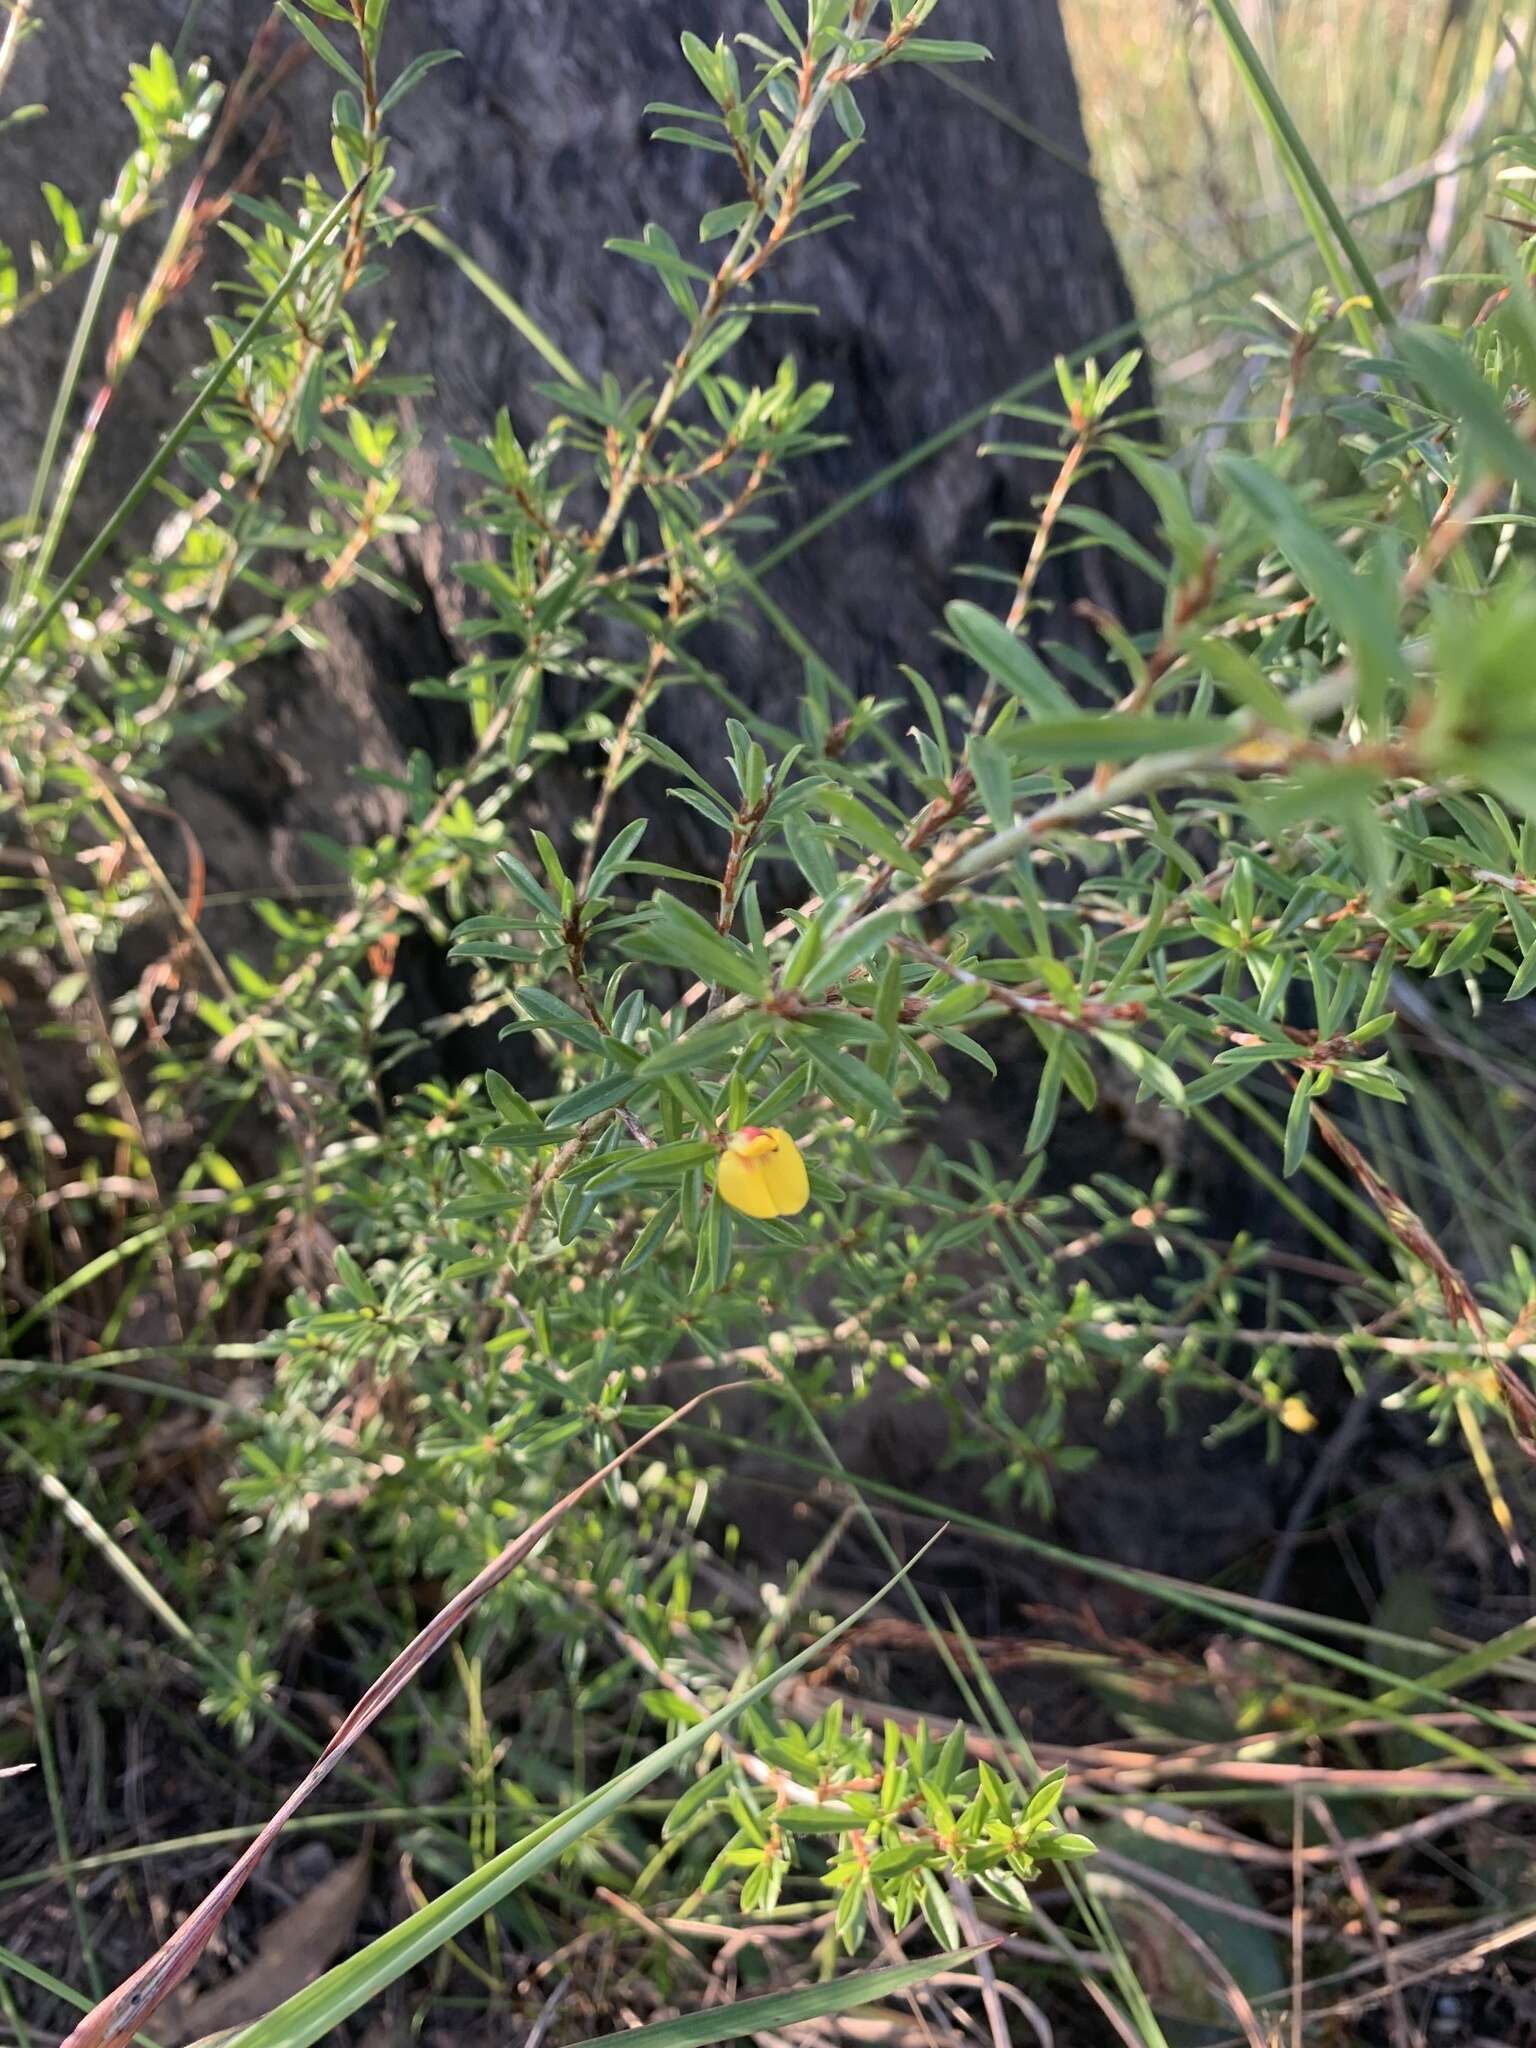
x,y
1296,1415
761,1173
1260,752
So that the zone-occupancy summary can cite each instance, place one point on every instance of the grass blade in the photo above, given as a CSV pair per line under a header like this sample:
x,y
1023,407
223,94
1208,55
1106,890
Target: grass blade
x,y
511,310
1330,229
66,1994
23,573
1236,1611
785,2008
344,1989
177,438
113,2022
49,1761
1147,323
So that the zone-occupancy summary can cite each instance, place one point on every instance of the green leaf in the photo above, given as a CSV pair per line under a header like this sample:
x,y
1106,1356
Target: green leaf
x,y
1132,736
850,948
1469,945
1525,978
1241,678
527,885
1450,376
713,1785
1165,487
545,1012
506,1101
1359,604
938,1911
928,50
725,220
413,74
354,1279
1373,1081
1007,660
851,1084
1329,227
1153,1073
321,44
697,1050
1063,1847
348,1986
675,935
642,1166
1047,1097
705,63
1110,534
856,818
654,1235
809,852
1298,1124
592,1100
777,2009
1045,1798
657,257
994,778
611,863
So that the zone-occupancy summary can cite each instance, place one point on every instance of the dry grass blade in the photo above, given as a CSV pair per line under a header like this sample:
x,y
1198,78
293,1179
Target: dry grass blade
x,y
1239,1849
1402,2032
992,2004
1461,1306
292,1951
1116,1769
113,2022
1415,1239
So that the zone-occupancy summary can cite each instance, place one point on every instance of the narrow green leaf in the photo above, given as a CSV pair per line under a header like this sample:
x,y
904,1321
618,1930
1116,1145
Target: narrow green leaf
x,y
1020,671
506,1101
846,950
545,1012
676,935
320,43
1151,1071
1298,1124
413,74
344,1989
1330,228
1082,742
1360,606
851,1084
994,778
1450,376
176,439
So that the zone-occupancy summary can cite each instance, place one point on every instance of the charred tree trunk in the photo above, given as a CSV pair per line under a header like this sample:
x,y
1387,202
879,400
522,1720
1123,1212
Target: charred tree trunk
x,y
978,253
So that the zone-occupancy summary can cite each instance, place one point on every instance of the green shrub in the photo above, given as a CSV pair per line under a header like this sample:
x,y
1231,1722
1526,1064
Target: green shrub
x,y
1195,872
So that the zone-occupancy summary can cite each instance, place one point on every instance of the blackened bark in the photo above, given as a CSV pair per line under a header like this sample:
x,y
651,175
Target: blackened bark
x,y
978,252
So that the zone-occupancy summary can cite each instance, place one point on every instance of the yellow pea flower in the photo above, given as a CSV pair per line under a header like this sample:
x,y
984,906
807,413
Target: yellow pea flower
x,y
1296,1415
761,1173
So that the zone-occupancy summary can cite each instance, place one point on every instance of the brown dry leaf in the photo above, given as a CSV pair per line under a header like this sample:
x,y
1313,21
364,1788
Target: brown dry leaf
x,y
293,1950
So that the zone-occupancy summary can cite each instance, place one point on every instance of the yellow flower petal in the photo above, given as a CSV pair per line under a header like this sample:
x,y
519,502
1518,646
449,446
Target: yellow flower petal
x,y
741,1183
1296,1415
784,1171
761,1173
